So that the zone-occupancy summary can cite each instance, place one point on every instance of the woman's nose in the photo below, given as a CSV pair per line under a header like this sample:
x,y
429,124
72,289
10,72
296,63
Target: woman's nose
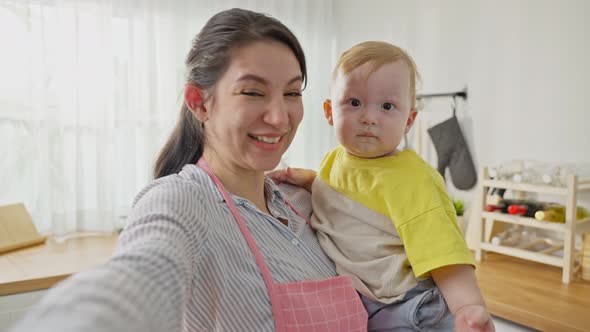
x,y
277,113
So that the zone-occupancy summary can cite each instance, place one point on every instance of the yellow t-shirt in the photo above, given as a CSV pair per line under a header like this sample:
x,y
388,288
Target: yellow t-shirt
x,y
412,195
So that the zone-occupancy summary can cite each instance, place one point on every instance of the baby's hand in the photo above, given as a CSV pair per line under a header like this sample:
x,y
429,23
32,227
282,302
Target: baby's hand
x,y
473,317
297,176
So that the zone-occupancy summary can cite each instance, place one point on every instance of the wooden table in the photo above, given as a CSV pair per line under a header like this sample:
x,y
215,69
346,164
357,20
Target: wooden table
x,y
532,294
42,266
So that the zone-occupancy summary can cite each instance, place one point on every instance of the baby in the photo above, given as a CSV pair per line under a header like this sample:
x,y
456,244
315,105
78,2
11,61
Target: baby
x,y
382,214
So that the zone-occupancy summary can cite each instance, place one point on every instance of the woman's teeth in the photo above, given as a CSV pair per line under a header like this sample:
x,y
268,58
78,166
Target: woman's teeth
x,y
264,139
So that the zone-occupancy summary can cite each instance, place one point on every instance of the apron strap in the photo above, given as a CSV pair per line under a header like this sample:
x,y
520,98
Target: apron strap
x,y
297,212
266,276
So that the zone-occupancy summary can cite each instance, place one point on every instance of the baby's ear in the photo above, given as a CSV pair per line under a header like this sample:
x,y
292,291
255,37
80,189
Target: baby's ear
x,y
328,111
411,119
193,98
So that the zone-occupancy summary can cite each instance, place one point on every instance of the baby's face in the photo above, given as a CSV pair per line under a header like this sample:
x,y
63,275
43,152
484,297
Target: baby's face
x,y
372,112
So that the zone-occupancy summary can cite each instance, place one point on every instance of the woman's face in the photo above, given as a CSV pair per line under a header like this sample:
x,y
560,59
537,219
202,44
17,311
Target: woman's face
x,y
256,107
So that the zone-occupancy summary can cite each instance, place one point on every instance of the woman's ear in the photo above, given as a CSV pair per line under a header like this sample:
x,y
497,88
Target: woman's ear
x,y
328,111
193,98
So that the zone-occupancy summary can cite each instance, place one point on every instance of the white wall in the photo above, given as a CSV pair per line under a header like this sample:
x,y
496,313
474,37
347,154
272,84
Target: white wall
x,y
525,64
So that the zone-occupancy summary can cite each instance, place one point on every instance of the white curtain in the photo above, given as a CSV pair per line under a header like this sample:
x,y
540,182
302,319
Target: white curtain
x,y
89,90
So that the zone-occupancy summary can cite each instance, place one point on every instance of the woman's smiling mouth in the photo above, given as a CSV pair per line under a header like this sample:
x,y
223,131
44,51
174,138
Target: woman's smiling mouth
x,y
266,139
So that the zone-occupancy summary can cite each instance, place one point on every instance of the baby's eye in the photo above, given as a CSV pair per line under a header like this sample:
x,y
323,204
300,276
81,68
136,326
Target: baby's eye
x,y
354,102
388,106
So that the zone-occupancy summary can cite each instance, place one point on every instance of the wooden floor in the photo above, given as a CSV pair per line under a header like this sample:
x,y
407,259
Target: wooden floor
x,y
532,294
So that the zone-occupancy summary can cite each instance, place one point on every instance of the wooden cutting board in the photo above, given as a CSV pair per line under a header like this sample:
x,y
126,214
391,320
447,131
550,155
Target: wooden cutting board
x,y
17,229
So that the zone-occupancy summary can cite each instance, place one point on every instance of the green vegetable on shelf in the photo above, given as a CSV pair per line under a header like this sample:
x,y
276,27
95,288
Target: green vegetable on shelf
x,y
459,207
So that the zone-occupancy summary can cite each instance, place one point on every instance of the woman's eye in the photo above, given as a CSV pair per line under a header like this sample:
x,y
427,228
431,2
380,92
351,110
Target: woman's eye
x,y
251,93
388,106
293,94
354,102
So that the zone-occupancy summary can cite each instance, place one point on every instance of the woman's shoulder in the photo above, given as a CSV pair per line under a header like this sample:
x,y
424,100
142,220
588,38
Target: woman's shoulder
x,y
184,198
170,211
190,184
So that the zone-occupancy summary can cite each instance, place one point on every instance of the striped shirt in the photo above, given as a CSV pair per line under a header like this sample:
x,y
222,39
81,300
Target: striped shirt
x,y
183,265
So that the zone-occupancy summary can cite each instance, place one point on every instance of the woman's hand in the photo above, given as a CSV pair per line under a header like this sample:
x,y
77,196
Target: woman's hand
x,y
301,177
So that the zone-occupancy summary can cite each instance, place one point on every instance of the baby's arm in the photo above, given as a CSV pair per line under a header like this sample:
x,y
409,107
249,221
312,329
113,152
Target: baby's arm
x,y
301,177
459,288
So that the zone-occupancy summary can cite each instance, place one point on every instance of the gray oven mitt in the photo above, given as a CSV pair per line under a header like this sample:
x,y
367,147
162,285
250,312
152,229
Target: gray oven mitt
x,y
452,152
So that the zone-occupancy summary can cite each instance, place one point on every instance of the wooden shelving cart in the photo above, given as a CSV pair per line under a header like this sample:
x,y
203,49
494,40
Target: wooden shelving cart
x,y
569,229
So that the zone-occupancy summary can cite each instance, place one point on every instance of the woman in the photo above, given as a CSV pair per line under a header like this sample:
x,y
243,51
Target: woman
x,y
212,244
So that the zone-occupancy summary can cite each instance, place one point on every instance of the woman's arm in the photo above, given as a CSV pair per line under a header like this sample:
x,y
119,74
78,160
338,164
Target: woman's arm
x,y
459,287
144,286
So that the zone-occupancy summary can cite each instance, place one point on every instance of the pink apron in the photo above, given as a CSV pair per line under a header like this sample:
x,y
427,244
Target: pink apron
x,y
315,305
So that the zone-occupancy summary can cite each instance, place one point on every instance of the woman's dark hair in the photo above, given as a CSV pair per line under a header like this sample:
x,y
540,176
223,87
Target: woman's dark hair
x,y
206,62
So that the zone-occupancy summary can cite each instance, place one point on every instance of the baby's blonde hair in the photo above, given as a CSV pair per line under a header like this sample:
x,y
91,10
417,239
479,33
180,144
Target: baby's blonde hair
x,y
378,54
